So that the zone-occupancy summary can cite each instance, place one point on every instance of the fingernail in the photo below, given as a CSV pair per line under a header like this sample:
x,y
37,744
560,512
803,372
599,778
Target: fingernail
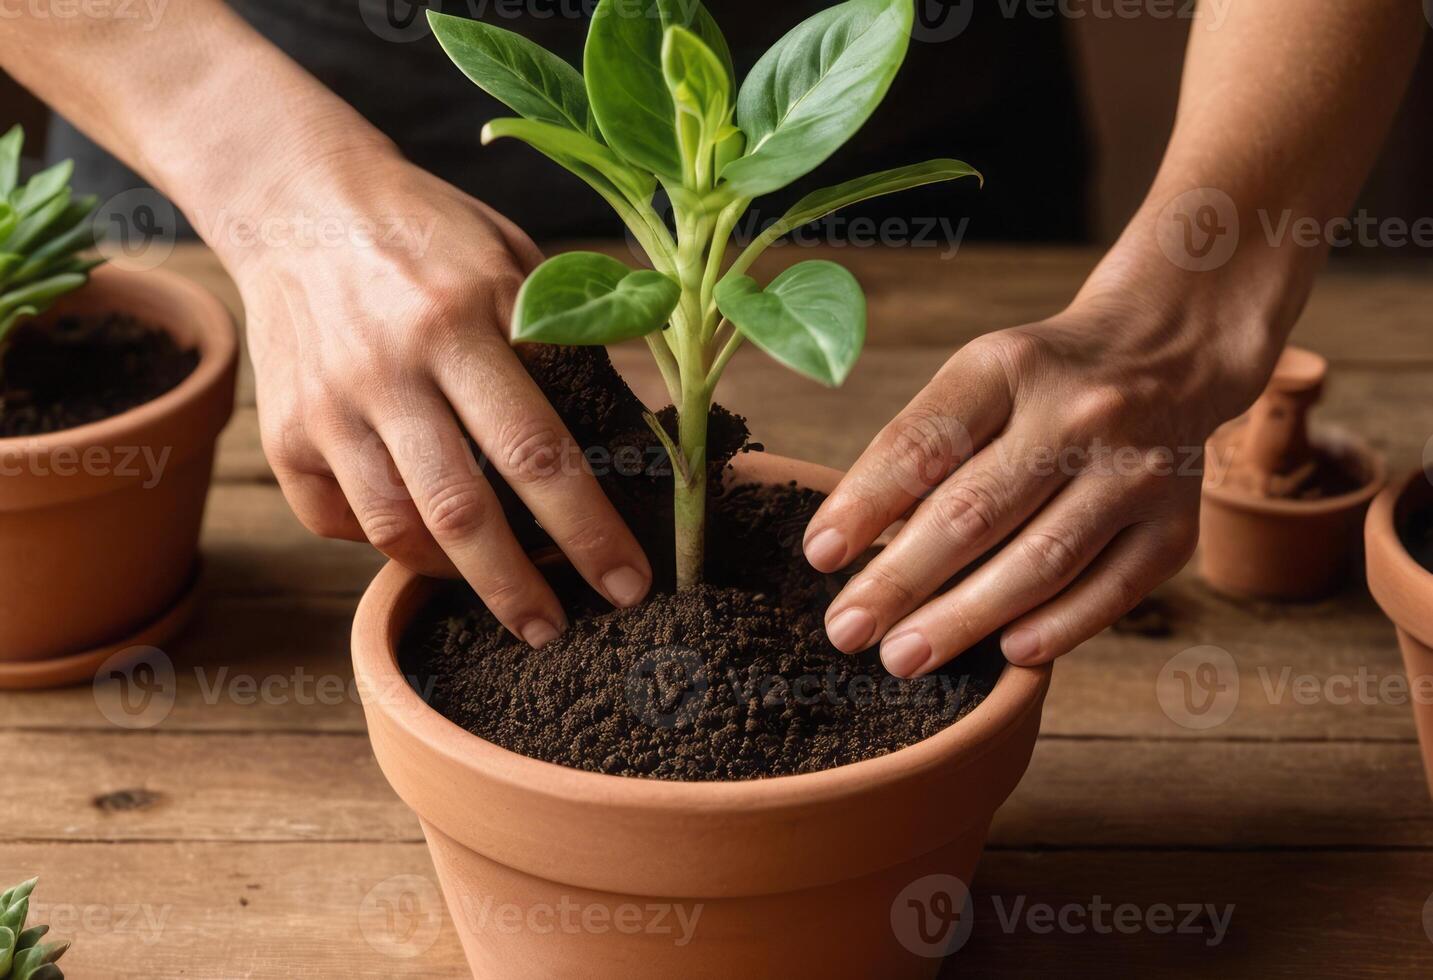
x,y
851,630
1020,646
626,586
905,653
826,550
539,632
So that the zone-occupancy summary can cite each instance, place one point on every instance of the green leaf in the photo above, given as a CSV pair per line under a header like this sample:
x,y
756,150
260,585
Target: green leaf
x,y
822,202
31,937
10,319
563,145
701,94
815,88
43,187
812,317
13,918
32,226
41,292
10,146
529,79
622,64
587,298
29,962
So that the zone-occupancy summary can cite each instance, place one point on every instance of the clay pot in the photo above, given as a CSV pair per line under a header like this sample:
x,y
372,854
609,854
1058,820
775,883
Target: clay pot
x,y
99,524
1404,590
1259,536
818,874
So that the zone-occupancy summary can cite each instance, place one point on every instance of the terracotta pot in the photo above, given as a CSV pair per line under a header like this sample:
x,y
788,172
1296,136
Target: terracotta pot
x,y
99,524
1272,548
788,876
1404,589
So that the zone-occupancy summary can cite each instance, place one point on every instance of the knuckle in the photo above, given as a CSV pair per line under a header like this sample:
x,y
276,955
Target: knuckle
x,y
1052,556
1099,408
890,586
591,535
1127,592
968,510
532,452
1012,352
928,444
458,509
507,599
387,531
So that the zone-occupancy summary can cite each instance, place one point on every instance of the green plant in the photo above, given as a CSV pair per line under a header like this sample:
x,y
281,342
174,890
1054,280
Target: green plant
x,y
657,104
22,956
43,227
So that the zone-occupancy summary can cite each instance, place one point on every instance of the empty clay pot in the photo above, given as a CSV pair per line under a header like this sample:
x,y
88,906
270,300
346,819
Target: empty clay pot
x,y
99,524
1404,590
1265,529
834,873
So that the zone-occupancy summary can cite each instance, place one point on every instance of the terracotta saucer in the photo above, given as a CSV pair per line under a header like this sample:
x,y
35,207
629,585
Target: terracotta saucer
x,y
79,668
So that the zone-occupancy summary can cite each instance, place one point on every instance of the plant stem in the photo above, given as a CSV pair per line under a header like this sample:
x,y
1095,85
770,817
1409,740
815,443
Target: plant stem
x,y
689,500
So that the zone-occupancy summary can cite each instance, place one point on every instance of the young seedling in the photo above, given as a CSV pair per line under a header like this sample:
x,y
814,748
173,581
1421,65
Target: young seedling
x,y
43,227
657,104
22,955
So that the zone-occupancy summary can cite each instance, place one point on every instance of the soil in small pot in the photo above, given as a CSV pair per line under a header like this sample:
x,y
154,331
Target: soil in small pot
x,y
79,370
1417,536
731,680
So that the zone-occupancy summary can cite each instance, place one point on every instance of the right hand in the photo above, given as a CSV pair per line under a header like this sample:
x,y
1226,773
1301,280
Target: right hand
x,y
372,359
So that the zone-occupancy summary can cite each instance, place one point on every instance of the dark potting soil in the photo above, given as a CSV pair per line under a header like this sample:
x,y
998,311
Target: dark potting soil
x,y
1331,477
1417,535
731,680
79,370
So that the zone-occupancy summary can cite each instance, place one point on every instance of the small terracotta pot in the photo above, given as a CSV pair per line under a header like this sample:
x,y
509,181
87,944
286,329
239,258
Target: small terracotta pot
x,y
99,524
1404,590
788,876
1272,548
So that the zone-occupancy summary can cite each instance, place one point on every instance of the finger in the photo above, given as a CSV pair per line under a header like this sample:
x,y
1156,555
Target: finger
x,y
979,506
462,515
1033,567
523,437
943,426
319,504
381,504
1140,558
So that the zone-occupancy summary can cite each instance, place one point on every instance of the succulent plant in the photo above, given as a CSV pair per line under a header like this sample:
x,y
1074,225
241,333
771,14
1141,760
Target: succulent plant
x,y
43,228
22,955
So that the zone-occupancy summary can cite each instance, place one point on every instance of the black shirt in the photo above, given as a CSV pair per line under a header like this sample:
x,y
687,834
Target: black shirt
x,y
989,86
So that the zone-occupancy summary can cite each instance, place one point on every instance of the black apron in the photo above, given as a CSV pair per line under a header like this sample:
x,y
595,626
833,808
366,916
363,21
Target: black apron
x,y
989,86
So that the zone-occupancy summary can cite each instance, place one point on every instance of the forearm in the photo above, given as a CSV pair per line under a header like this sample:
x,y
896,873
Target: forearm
x,y
197,102
1283,107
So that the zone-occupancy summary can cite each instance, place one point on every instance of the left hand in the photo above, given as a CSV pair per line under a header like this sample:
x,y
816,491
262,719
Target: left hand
x,y
1070,450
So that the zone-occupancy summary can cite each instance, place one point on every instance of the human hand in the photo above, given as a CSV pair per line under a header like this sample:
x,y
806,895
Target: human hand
x,y
377,311
1067,449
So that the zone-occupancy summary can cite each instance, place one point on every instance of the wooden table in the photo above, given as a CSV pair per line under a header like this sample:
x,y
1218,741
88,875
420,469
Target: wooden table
x,y
250,834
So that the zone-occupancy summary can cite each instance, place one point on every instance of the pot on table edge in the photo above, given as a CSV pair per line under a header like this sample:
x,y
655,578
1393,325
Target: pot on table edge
x,y
1270,548
794,875
99,542
1404,590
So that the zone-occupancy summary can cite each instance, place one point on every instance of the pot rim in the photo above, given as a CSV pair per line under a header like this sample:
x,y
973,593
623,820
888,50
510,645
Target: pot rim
x,y
215,338
1326,437
1390,563
396,593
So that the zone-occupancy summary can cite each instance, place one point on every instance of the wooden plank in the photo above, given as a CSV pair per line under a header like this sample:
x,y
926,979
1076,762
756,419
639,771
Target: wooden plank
x,y
278,911
164,784
294,655
252,544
